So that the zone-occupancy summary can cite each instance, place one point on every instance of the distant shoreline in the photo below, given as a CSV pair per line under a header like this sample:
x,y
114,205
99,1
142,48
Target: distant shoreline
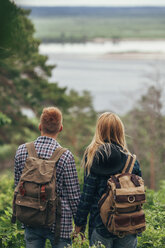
x,y
125,49
101,40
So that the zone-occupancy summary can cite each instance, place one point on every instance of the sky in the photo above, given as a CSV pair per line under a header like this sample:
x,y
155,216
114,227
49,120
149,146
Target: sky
x,y
91,2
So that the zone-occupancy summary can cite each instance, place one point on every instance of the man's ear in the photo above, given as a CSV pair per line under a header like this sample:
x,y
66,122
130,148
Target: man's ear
x,y
61,128
39,127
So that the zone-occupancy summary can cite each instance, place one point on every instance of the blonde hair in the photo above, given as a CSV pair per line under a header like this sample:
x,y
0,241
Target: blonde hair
x,y
109,128
51,120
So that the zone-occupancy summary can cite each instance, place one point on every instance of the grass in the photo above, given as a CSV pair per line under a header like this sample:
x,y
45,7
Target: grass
x,y
80,29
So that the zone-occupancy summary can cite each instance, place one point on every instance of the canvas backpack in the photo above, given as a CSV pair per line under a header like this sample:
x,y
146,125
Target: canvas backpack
x,y
121,206
36,202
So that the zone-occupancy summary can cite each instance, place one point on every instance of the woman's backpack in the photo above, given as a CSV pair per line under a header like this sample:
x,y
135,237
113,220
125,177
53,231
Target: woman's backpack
x,y
121,206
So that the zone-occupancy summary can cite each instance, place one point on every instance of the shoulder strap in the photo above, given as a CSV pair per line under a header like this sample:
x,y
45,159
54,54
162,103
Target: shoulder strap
x,y
57,154
129,164
55,157
31,150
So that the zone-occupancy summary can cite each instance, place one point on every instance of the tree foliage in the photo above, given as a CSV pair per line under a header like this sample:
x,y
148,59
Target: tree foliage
x,y
79,123
24,85
23,72
4,119
145,125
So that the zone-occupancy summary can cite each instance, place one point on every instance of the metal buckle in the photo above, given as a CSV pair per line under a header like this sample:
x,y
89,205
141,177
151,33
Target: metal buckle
x,y
121,235
131,198
112,209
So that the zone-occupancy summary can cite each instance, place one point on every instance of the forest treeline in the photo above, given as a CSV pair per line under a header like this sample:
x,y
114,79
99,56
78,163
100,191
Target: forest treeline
x,y
24,87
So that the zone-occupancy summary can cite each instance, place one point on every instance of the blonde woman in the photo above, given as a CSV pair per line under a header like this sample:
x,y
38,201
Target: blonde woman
x,y
105,156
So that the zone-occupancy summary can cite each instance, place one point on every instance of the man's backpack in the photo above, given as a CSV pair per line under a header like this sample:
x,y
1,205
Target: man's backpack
x,y
36,202
121,206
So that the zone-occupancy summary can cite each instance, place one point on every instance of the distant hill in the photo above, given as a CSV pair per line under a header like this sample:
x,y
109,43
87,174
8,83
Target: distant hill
x,y
82,24
96,11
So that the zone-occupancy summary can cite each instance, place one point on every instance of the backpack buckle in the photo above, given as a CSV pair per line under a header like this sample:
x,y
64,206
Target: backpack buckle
x,y
22,189
43,193
131,198
121,235
112,209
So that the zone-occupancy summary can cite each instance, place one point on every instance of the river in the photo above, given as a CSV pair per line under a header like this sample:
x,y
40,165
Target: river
x,y
115,74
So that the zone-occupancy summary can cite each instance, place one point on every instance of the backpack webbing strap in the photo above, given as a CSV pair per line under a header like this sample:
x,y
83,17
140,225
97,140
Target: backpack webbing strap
x,y
58,222
57,154
31,150
55,157
129,164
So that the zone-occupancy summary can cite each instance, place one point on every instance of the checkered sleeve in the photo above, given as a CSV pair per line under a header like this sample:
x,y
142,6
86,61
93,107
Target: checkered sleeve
x,y
72,183
86,200
16,171
19,162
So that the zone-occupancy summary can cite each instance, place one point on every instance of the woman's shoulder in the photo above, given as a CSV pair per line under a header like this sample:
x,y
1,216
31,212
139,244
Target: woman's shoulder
x,y
109,159
136,169
109,149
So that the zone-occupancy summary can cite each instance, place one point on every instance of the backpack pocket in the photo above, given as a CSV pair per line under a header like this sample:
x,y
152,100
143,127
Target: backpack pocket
x,y
131,223
33,212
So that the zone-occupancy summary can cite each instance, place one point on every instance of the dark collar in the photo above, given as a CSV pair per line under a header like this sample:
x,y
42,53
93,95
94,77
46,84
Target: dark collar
x,y
108,165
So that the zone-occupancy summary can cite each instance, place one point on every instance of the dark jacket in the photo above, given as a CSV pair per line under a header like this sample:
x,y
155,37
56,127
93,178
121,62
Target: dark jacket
x,y
95,183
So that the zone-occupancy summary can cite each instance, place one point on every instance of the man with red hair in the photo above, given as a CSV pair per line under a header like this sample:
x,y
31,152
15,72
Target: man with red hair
x,y
66,179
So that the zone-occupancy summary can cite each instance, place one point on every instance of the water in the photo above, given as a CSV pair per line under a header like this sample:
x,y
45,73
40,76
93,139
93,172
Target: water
x,y
115,74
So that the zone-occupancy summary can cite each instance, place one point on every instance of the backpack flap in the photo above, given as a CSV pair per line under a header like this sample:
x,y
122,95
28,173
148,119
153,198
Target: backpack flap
x,y
30,202
129,196
38,170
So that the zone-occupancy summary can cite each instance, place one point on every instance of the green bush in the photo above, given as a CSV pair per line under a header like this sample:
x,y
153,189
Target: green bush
x,y
154,236
11,235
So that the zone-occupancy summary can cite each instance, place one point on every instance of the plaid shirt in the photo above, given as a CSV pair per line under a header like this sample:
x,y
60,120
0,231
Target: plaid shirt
x,y
67,181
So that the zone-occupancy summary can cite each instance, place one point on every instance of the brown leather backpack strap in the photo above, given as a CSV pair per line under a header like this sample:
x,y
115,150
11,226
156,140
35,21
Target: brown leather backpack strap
x,y
130,167
129,164
31,150
57,154
58,222
55,157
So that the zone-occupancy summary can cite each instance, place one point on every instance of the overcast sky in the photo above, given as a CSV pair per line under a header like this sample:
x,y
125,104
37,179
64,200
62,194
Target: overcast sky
x,y
91,2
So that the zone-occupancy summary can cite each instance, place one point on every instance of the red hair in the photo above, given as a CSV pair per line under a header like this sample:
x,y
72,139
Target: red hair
x,y
51,120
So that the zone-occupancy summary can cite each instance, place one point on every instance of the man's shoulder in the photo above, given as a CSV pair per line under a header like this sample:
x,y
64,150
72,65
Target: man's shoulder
x,y
67,155
21,153
21,148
